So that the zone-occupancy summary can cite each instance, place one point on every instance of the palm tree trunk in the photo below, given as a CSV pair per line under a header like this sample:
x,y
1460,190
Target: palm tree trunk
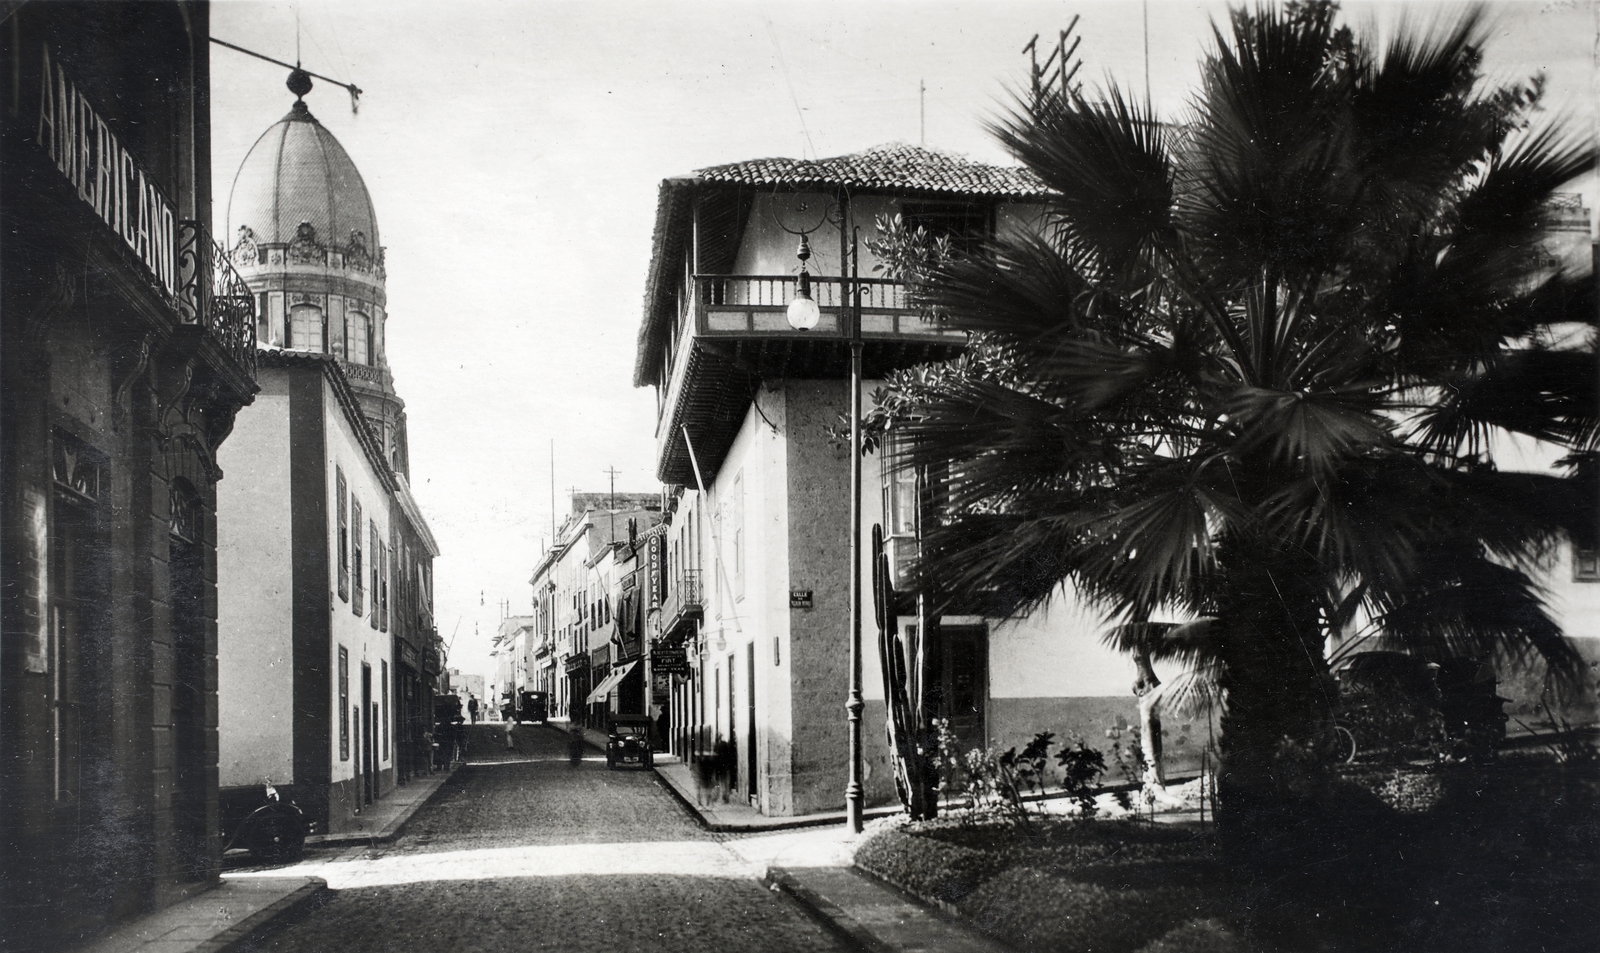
x,y
1155,778
1280,698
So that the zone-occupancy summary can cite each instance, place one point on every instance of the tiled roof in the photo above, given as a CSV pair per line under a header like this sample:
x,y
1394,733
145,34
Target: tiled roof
x,y
896,166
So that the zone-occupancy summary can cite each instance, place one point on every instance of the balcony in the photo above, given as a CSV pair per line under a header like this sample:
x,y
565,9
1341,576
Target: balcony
x,y
732,331
740,305
213,296
684,603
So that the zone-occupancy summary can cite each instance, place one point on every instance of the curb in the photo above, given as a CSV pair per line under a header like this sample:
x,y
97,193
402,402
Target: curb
x,y
943,906
826,913
296,902
389,832
800,822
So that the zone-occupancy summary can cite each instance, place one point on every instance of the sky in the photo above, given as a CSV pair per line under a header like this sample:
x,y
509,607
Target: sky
x,y
513,150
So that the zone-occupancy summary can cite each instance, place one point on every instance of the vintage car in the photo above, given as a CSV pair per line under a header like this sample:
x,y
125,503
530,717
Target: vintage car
x,y
628,741
535,707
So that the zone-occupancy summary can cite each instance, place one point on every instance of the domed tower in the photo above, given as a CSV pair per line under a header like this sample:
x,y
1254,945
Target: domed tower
x,y
305,239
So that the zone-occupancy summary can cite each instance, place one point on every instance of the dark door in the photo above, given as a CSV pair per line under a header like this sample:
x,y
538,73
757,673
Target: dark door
x,y
733,730
750,712
367,767
80,693
960,681
187,570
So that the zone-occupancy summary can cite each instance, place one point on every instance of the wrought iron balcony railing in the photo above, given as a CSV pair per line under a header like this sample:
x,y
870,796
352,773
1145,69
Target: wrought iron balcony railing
x,y
212,295
685,600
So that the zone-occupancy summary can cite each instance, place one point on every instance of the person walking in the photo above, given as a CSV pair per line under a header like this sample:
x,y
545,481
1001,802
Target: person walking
x,y
472,708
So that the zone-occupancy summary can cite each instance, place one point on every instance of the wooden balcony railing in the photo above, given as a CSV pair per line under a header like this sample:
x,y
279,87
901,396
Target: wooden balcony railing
x,y
212,295
758,304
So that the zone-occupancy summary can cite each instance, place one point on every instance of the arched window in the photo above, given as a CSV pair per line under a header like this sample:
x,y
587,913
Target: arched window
x,y
357,337
305,328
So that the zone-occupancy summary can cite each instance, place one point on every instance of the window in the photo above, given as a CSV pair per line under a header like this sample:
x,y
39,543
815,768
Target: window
x,y
344,704
386,711
344,534
967,226
899,492
383,580
1585,564
305,328
357,602
738,535
357,337
376,562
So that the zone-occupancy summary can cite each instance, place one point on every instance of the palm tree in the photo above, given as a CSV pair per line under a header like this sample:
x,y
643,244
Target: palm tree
x,y
1251,367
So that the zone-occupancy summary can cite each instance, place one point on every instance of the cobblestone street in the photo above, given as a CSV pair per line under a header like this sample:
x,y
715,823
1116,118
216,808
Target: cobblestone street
x,y
520,851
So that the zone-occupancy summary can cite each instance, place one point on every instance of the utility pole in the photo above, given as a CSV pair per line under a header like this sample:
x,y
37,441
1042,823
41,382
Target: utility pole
x,y
613,471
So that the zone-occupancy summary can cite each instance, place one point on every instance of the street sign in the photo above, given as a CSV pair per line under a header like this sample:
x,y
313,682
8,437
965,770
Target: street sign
x,y
665,660
800,598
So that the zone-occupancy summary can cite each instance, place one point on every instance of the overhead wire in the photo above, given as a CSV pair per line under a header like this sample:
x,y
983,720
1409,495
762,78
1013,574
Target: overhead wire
x,y
790,83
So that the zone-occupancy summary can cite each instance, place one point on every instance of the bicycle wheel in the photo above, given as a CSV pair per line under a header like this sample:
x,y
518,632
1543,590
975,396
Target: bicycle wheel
x,y
1344,744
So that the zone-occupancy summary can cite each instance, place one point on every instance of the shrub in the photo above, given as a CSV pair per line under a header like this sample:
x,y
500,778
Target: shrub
x,y
1199,936
1038,910
925,865
1081,770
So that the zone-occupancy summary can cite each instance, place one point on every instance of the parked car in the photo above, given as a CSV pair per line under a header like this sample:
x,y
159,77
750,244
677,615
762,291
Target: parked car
x,y
628,741
535,707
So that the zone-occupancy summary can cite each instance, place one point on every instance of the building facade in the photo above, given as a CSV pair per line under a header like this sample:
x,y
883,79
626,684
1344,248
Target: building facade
x,y
331,666
753,594
128,349
571,646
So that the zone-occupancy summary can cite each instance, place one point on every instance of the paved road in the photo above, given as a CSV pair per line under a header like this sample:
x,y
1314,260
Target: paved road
x,y
520,851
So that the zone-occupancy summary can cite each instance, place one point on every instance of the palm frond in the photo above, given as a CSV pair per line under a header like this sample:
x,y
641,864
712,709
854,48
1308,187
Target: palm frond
x,y
1547,395
1481,608
1108,162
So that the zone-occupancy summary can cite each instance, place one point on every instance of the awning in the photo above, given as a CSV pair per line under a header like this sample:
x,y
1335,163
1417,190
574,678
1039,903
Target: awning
x,y
604,688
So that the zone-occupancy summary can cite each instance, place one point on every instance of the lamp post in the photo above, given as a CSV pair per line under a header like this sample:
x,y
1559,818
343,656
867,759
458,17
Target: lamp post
x,y
803,315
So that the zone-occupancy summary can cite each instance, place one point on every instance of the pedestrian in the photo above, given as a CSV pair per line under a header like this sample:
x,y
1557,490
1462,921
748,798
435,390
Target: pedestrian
x,y
472,708
575,742
510,742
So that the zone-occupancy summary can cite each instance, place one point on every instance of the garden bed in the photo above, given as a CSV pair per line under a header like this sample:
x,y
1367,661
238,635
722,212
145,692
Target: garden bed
x,y
1442,859
1063,885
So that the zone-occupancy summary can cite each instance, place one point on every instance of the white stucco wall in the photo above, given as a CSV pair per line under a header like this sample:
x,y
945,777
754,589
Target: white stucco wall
x,y
366,645
1056,652
767,249
255,674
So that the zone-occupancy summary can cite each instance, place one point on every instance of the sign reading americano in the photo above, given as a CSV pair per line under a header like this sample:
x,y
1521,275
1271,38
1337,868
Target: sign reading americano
x,y
105,175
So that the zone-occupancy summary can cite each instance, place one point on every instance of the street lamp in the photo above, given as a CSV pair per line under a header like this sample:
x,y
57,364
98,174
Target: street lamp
x,y
803,311
803,316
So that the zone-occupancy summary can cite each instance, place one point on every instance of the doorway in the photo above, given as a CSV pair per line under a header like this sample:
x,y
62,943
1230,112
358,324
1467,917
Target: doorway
x,y
750,713
79,668
186,565
959,678
368,768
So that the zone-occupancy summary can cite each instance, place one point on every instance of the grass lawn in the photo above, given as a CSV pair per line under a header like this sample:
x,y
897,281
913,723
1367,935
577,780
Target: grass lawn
x,y
1505,859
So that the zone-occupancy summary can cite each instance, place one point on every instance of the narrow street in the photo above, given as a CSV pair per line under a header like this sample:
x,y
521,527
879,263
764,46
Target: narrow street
x,y
521,851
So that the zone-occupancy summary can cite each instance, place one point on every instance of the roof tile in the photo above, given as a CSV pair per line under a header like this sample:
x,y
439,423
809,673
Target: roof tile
x,y
895,165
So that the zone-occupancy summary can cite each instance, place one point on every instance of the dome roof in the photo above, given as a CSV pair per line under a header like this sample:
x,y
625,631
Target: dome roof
x,y
297,172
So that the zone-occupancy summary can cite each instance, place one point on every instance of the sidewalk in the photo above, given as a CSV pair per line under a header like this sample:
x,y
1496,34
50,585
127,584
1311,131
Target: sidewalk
x,y
382,821
808,858
216,919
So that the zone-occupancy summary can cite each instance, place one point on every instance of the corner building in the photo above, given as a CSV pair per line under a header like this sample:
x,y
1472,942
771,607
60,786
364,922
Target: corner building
x,y
330,656
753,588
127,347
